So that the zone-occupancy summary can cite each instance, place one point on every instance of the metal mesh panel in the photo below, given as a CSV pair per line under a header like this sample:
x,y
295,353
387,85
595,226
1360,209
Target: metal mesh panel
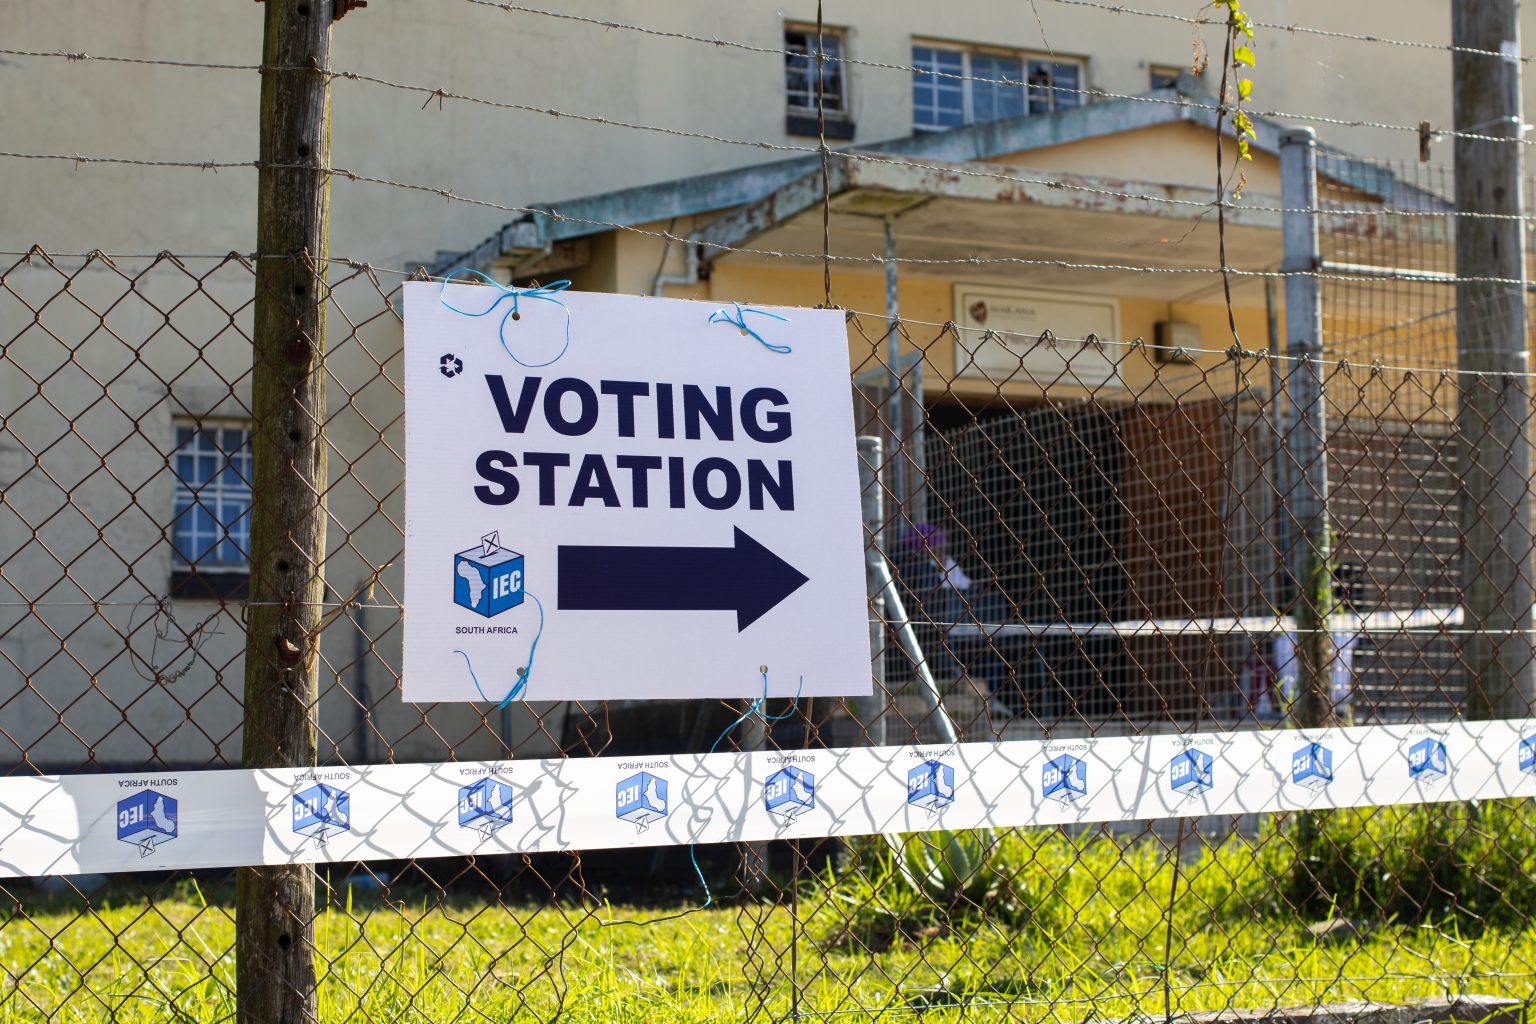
x,y
1110,562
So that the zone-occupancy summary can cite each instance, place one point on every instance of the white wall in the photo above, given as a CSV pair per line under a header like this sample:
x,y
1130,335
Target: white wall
x,y
513,157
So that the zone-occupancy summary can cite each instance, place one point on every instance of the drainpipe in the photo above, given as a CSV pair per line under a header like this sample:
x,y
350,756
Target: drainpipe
x,y
690,275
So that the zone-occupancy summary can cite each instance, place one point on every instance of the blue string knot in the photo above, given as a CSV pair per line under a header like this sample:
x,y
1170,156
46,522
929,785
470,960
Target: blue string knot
x,y
544,293
523,674
738,320
754,708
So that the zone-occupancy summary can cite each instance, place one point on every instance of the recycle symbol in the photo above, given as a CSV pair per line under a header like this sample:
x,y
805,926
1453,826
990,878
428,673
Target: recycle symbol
x,y
450,365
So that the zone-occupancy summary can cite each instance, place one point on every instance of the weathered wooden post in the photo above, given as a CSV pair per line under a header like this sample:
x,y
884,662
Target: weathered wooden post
x,y
275,906
1493,414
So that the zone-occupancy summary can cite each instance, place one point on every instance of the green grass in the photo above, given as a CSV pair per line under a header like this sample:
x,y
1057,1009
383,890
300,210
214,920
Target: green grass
x,y
1064,929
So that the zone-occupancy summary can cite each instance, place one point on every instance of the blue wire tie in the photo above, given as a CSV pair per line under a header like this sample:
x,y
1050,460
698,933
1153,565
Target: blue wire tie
x,y
544,293
526,673
755,708
739,321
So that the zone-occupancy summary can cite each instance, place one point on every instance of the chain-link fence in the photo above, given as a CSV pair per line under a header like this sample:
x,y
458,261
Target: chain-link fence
x,y
1094,555
1070,540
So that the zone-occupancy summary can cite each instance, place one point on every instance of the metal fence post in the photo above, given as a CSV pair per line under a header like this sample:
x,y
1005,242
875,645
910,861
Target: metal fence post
x,y
1493,409
1309,555
275,905
893,612
872,709
895,389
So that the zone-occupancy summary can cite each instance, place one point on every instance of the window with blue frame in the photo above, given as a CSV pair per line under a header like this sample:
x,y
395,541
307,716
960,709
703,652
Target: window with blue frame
x,y
801,66
211,514
938,88
954,86
998,90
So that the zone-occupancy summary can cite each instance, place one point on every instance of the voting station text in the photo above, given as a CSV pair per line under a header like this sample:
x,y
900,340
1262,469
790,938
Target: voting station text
x,y
576,408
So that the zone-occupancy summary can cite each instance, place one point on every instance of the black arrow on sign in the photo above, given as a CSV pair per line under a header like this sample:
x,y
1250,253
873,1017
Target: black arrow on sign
x,y
745,578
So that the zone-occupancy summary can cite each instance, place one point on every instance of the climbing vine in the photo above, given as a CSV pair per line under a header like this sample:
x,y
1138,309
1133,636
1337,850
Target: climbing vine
x,y
1236,87
1239,57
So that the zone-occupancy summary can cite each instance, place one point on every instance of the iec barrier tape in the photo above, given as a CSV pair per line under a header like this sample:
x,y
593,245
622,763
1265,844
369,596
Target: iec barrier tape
x,y
60,825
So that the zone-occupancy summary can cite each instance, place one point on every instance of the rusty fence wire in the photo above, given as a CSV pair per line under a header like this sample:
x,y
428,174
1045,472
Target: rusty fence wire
x,y
1087,538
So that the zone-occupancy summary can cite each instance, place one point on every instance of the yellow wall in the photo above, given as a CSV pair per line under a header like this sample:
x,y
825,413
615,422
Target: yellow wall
x,y
929,301
1354,330
1174,154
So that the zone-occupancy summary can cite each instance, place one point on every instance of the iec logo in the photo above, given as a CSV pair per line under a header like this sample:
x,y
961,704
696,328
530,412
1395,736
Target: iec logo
x,y
146,820
322,811
1427,760
789,793
485,806
641,799
488,579
931,786
1528,754
1064,779
1190,772
1312,766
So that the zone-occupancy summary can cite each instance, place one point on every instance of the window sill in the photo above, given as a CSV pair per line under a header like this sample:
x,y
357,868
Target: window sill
x,y
838,126
209,584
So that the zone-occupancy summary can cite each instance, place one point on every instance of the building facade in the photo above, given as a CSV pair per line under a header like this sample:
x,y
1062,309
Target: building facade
x,y
1069,154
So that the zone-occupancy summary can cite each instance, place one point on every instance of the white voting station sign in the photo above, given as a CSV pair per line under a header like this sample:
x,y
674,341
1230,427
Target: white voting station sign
x,y
610,496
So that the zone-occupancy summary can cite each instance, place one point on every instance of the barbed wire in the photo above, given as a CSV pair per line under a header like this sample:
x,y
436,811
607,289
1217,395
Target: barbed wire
x,y
80,158
1090,93
1116,8
1292,28
1343,363
852,155
80,55
553,213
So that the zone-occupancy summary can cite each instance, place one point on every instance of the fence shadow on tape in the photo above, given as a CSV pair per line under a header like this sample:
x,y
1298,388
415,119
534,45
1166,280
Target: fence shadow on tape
x,y
172,819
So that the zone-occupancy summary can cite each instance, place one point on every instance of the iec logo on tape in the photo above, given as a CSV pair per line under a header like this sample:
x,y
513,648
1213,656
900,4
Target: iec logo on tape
x,y
789,793
1191,772
485,805
1064,779
641,799
1527,762
1312,766
1427,760
931,786
321,812
488,579
146,820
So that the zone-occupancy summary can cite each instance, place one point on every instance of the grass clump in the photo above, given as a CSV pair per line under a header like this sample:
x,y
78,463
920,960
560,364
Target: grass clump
x,y
1471,862
1034,883
1023,925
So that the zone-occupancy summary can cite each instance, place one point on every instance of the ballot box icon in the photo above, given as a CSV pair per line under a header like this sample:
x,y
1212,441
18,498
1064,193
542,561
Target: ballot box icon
x,y
1064,779
789,793
321,812
641,799
1312,766
1427,760
488,579
485,805
1191,772
931,786
146,820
